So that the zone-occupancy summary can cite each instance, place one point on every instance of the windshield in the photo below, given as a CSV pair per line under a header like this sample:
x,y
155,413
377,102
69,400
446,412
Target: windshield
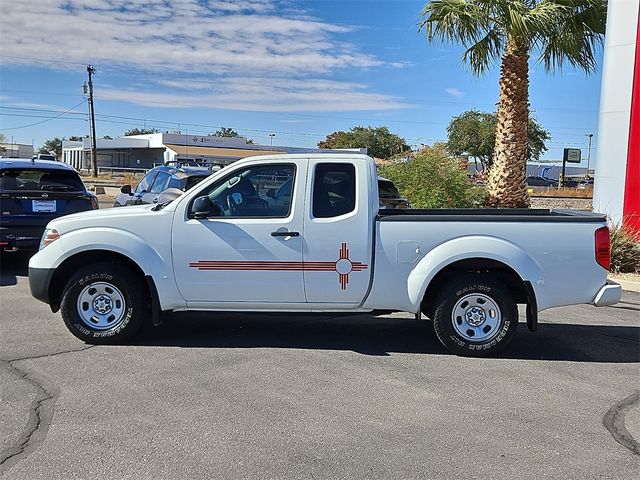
x,y
33,179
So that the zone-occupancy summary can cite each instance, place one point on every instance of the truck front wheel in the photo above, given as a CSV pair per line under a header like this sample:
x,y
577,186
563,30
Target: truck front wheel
x,y
475,315
104,303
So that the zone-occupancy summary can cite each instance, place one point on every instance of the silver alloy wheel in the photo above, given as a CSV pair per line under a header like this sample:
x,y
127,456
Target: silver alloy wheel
x,y
476,317
101,306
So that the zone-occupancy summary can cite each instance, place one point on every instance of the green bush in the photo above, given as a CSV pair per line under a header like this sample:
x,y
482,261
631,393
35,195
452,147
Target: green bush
x,y
625,250
434,180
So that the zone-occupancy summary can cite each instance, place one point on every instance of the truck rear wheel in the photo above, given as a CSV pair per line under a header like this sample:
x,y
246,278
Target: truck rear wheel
x,y
475,315
104,303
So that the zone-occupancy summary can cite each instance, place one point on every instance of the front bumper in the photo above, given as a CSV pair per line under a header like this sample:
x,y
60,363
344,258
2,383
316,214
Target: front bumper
x,y
30,243
610,294
39,281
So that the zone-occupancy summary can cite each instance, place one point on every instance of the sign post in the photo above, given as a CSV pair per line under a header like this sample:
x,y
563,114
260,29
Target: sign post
x,y
571,155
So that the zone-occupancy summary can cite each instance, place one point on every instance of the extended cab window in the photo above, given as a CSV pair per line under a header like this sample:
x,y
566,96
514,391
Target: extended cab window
x,y
256,191
334,189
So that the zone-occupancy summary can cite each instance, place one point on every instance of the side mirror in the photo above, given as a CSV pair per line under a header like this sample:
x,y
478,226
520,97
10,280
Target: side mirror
x,y
126,189
271,193
203,208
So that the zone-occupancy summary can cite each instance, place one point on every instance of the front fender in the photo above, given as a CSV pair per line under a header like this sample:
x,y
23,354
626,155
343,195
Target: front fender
x,y
150,261
463,248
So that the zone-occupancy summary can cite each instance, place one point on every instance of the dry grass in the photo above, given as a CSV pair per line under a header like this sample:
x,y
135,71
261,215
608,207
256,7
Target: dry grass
x,y
565,193
125,179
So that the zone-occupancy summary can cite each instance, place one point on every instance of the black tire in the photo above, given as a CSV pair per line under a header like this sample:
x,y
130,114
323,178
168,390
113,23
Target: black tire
x,y
104,285
486,319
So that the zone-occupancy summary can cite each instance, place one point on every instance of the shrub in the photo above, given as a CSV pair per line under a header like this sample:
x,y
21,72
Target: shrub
x,y
434,180
625,250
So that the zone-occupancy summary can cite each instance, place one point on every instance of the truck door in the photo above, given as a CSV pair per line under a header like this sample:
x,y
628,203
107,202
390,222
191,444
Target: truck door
x,y
337,233
250,252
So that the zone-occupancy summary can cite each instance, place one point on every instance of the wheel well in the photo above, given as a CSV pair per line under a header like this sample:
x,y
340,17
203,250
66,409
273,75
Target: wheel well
x,y
73,263
505,274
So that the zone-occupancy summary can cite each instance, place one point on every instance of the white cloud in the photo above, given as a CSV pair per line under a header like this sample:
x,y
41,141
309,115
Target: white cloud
x,y
201,42
265,98
454,92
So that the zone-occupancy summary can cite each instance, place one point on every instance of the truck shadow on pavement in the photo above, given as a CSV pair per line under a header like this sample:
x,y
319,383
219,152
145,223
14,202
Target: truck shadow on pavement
x,y
13,265
371,335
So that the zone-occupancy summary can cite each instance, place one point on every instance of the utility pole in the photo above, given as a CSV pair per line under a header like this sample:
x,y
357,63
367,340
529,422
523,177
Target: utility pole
x,y
590,135
94,153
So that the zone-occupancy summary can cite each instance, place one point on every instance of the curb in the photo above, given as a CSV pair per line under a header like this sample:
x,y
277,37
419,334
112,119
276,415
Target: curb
x,y
628,285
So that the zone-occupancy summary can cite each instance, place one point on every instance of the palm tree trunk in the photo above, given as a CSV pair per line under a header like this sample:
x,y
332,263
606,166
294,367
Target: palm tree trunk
x,y
506,179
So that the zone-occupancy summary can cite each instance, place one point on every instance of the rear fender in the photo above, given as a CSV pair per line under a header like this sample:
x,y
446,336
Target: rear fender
x,y
462,248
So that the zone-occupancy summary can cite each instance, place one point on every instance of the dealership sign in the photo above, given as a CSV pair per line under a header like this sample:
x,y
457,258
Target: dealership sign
x,y
572,155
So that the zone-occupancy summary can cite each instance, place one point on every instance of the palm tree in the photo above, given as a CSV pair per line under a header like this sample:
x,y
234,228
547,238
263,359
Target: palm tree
x,y
556,31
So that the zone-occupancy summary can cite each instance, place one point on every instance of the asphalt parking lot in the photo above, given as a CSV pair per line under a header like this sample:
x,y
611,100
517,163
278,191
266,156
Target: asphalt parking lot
x,y
283,396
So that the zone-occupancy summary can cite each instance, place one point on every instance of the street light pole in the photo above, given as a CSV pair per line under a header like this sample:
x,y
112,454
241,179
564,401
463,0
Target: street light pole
x,y
271,135
590,135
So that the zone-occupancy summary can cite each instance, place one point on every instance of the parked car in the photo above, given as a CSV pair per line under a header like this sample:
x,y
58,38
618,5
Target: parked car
x,y
586,183
161,184
34,192
389,195
44,156
541,182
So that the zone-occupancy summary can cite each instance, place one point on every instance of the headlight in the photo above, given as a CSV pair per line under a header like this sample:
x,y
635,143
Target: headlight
x,y
50,236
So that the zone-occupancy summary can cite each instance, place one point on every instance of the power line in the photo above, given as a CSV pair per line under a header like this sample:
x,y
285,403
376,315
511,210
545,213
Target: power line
x,y
46,120
205,128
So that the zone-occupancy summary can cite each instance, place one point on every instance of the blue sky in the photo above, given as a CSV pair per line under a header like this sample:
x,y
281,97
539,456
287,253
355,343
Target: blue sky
x,y
298,69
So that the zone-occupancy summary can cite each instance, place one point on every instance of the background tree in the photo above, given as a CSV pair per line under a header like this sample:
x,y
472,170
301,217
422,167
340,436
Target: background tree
x,y
434,180
229,133
226,132
140,131
3,139
473,134
54,146
379,141
557,31
75,138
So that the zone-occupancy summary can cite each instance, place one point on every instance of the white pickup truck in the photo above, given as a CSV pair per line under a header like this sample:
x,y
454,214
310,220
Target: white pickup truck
x,y
303,233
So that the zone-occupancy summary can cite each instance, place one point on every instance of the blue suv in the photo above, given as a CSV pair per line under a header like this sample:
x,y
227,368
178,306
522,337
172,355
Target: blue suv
x,y
34,192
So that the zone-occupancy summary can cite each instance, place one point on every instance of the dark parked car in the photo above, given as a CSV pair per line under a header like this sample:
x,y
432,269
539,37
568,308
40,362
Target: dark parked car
x,y
586,183
161,184
541,182
389,195
34,192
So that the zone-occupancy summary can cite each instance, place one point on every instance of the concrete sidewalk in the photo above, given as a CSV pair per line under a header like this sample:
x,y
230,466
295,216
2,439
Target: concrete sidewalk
x,y
628,285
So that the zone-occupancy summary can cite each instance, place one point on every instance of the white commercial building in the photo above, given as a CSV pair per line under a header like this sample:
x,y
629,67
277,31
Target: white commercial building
x,y
147,151
617,181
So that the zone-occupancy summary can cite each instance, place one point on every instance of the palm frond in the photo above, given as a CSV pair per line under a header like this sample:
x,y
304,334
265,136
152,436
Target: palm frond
x,y
575,36
453,21
484,52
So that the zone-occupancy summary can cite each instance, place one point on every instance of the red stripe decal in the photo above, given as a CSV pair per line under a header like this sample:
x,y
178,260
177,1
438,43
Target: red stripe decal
x,y
631,208
343,266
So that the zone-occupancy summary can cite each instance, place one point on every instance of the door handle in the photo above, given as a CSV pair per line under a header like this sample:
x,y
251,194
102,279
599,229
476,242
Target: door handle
x,y
285,234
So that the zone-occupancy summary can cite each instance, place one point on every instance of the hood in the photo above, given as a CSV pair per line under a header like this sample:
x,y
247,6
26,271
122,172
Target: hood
x,y
108,217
